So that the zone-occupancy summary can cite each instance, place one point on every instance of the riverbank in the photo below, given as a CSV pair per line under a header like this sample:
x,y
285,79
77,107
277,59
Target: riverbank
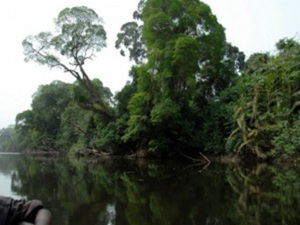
x,y
143,154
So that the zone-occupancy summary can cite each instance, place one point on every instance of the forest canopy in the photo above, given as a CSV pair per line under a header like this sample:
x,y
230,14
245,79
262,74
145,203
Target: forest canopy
x,y
190,91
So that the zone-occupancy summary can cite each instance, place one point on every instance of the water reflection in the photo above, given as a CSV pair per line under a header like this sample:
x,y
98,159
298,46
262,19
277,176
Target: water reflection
x,y
7,169
127,192
266,194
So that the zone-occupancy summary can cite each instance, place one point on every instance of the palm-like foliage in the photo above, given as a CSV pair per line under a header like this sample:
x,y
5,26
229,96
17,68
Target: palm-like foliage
x,y
268,103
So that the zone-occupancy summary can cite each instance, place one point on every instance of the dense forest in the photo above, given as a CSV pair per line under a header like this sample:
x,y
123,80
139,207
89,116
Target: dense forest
x,y
190,90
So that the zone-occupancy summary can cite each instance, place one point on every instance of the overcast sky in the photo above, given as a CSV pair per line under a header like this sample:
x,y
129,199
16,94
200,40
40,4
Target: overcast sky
x,y
251,25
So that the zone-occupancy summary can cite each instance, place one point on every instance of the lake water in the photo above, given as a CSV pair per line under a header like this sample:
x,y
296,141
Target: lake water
x,y
108,192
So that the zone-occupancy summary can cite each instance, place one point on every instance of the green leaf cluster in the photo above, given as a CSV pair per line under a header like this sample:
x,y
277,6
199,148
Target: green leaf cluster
x,y
266,113
187,65
190,91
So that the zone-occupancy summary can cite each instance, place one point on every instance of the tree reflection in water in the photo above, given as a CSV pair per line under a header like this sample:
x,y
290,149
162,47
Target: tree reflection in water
x,y
79,191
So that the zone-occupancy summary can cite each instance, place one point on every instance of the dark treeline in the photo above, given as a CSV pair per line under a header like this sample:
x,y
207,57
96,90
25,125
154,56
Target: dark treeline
x,y
190,91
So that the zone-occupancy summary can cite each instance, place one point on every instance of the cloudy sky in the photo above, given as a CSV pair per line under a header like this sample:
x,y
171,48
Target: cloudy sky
x,y
251,25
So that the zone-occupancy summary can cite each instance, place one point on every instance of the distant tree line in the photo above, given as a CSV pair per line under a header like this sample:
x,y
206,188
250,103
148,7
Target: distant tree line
x,y
190,91
9,140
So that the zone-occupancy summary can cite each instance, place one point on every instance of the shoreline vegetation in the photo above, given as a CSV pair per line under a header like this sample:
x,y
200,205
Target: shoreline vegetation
x,y
200,160
190,91
204,161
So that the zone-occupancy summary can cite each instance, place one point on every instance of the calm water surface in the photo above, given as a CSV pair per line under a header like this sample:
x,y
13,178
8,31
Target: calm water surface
x,y
108,192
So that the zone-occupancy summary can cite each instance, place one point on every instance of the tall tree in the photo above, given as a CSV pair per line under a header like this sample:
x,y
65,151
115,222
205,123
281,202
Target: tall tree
x,y
79,34
187,58
130,39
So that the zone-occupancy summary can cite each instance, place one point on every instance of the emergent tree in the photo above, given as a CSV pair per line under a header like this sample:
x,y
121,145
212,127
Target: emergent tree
x,y
79,34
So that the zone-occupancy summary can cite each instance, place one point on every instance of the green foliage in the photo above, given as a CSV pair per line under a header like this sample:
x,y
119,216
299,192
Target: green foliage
x,y
9,140
83,97
77,147
187,54
123,97
79,33
132,39
38,127
287,141
165,111
61,120
74,129
214,127
265,111
191,91
173,102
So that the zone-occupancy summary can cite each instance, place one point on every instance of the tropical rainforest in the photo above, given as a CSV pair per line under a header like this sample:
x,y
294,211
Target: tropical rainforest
x,y
190,90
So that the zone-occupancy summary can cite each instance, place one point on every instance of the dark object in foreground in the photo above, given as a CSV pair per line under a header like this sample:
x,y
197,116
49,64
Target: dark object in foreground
x,y
14,212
